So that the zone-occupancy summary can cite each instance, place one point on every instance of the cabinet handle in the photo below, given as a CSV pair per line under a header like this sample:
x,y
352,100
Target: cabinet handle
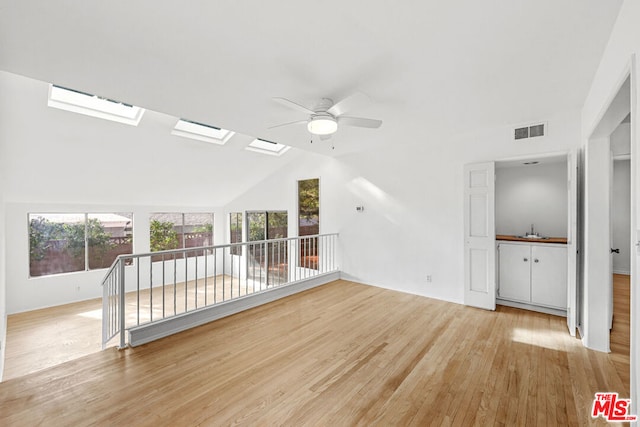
x,y
535,260
526,259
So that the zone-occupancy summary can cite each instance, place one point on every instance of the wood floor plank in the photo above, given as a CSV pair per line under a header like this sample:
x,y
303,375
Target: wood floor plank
x,y
340,354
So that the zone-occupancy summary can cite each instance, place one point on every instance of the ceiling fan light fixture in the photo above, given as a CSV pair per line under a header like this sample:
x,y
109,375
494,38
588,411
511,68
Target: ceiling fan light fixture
x,y
322,125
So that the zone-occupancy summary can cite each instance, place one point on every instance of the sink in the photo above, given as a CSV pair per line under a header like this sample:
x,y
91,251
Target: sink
x,y
532,236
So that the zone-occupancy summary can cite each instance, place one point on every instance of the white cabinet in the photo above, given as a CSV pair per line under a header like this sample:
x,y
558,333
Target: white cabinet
x,y
533,274
549,276
515,272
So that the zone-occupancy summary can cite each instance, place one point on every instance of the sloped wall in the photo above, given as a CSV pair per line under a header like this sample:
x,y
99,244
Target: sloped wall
x,y
57,161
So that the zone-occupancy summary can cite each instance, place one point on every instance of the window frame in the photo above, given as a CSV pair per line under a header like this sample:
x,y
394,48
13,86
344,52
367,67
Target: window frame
x,y
91,105
87,254
262,146
236,250
201,132
182,228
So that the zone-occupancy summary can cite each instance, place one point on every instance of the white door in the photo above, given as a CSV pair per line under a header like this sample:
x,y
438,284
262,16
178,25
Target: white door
x,y
480,236
514,279
549,276
572,244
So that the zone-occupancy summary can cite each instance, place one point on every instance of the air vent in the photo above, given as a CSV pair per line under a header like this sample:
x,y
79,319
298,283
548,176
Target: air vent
x,y
530,131
522,133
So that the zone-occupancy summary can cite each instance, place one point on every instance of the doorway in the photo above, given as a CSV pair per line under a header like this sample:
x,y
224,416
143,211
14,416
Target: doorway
x,y
480,231
603,245
621,237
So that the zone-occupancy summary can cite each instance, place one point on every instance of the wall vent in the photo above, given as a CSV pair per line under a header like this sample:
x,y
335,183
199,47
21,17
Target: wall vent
x,y
530,131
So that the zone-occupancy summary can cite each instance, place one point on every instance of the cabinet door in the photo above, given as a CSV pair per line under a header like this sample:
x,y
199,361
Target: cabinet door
x,y
515,272
549,276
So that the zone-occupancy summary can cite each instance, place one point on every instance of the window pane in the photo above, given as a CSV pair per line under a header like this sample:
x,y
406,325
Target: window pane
x,y
256,260
309,221
109,235
309,207
277,225
56,243
278,255
198,230
257,222
235,227
165,231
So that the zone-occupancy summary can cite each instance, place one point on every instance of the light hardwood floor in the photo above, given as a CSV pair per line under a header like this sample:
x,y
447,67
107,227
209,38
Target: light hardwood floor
x,y
620,332
43,338
340,354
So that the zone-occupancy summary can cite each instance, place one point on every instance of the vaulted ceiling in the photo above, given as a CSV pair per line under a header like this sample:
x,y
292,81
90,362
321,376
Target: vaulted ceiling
x,y
432,68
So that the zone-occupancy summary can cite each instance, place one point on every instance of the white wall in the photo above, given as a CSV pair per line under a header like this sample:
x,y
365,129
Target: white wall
x,y
618,58
57,161
533,194
621,139
4,101
412,224
621,216
3,304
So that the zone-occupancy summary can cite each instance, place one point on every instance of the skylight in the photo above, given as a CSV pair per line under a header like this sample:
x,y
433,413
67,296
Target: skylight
x,y
201,132
92,105
268,147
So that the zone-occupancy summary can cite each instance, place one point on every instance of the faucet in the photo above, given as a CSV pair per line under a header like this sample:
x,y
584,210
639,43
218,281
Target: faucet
x,y
532,233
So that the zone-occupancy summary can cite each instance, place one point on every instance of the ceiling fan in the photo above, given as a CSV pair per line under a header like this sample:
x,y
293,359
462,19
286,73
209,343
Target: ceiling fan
x,y
326,116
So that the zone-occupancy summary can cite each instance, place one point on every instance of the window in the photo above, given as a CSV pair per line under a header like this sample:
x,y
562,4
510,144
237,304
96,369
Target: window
x,y
92,105
256,226
263,225
267,262
277,225
202,132
63,243
309,207
180,230
309,220
268,147
235,230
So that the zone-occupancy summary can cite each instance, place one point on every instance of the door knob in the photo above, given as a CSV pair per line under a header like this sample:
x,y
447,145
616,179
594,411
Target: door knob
x,y
536,260
615,250
526,259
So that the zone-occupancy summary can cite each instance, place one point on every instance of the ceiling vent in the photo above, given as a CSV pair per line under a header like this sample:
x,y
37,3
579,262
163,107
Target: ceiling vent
x,y
530,131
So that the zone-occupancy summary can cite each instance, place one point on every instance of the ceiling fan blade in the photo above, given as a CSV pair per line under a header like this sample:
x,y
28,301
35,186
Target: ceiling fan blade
x,y
359,122
287,124
293,105
349,103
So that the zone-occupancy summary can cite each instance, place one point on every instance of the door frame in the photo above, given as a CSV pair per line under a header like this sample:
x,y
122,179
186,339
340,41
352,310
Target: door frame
x,y
597,296
628,72
572,232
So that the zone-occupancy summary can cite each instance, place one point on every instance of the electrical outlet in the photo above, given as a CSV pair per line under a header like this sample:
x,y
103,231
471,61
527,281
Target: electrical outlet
x,y
429,279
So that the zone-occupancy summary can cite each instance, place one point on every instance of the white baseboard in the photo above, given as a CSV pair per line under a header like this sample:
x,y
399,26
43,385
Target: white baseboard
x,y
146,333
538,308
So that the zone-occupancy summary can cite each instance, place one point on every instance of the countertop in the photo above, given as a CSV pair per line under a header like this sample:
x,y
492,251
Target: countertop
x,y
562,240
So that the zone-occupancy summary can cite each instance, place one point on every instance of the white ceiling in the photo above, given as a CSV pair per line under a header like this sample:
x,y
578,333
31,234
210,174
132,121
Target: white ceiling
x,y
433,68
